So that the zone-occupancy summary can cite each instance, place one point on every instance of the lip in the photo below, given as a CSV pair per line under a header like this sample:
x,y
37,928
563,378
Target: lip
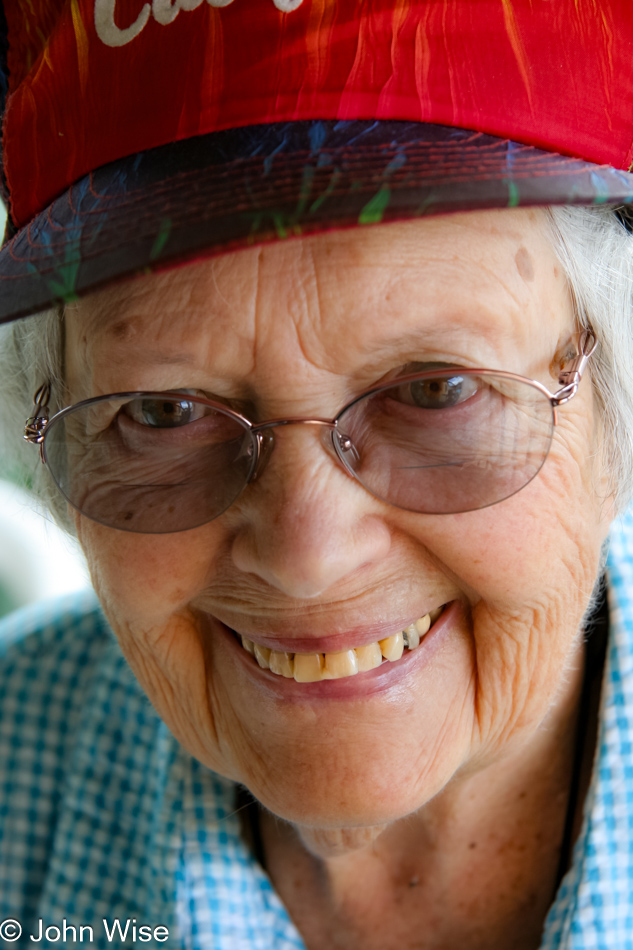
x,y
389,675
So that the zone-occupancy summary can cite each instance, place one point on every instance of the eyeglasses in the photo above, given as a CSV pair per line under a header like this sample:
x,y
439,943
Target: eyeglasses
x,y
443,441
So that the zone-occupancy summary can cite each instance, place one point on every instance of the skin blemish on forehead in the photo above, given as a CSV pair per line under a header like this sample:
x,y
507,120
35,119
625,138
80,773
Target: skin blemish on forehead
x,y
121,330
525,265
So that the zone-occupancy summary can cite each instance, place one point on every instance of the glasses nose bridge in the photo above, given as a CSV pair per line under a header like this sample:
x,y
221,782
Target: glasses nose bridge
x,y
266,440
294,421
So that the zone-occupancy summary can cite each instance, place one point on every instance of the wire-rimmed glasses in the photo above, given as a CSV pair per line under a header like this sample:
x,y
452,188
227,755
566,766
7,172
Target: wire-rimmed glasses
x,y
443,441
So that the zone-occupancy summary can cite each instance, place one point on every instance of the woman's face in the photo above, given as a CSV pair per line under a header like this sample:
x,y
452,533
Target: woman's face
x,y
306,560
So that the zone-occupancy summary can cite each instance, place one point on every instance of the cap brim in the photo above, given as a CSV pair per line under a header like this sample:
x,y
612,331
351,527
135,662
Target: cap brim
x,y
246,186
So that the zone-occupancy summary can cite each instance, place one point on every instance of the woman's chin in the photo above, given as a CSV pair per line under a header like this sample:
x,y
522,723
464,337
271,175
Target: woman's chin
x,y
355,797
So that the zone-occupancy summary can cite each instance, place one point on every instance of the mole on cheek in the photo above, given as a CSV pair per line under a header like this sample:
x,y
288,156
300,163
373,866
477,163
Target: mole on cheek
x,y
524,264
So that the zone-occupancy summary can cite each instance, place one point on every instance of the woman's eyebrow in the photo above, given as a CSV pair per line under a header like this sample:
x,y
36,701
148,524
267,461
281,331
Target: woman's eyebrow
x,y
430,337
138,350
161,358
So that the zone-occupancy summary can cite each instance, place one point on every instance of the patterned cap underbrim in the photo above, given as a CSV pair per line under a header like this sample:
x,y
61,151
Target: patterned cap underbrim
x,y
246,186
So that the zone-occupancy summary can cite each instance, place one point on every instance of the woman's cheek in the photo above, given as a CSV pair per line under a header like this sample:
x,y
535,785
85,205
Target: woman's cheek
x,y
532,547
528,567
145,578
144,584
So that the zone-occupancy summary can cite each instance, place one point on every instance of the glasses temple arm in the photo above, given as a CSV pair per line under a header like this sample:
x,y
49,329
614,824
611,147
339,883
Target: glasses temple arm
x,y
570,378
34,428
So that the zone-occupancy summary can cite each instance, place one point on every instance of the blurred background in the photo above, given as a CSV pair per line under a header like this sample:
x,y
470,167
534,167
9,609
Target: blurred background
x,y
37,560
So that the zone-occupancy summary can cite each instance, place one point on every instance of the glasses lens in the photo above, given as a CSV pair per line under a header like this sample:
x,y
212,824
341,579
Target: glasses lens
x,y
453,442
151,463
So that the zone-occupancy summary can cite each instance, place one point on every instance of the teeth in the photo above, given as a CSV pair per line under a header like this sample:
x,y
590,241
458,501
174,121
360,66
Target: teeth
x,y
282,664
412,636
308,667
313,667
369,657
392,648
262,655
338,665
422,625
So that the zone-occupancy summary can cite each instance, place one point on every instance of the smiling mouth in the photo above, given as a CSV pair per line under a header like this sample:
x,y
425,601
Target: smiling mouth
x,y
315,667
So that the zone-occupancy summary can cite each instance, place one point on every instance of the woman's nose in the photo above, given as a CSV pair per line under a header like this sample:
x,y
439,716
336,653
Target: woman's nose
x,y
307,523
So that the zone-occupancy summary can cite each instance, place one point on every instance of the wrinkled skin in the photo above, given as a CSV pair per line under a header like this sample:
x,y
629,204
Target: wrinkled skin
x,y
299,328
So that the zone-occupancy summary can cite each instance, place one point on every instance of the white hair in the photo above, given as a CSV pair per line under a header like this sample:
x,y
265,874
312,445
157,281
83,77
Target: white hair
x,y
31,353
595,249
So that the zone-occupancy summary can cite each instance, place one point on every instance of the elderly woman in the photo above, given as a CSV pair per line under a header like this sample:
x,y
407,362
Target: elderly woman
x,y
345,498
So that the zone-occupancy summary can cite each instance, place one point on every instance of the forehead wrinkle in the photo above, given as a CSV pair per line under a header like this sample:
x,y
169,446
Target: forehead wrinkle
x,y
401,299
520,294
462,348
157,358
142,342
430,324
292,320
482,277
313,323
166,319
515,320
241,271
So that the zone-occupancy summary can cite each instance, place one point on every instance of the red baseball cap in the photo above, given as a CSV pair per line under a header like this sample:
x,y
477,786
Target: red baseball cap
x,y
137,134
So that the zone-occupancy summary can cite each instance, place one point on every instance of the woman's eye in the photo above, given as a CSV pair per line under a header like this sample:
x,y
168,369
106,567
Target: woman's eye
x,y
164,413
441,392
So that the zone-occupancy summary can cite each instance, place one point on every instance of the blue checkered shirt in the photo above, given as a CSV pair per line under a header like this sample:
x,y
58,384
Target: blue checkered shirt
x,y
103,815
